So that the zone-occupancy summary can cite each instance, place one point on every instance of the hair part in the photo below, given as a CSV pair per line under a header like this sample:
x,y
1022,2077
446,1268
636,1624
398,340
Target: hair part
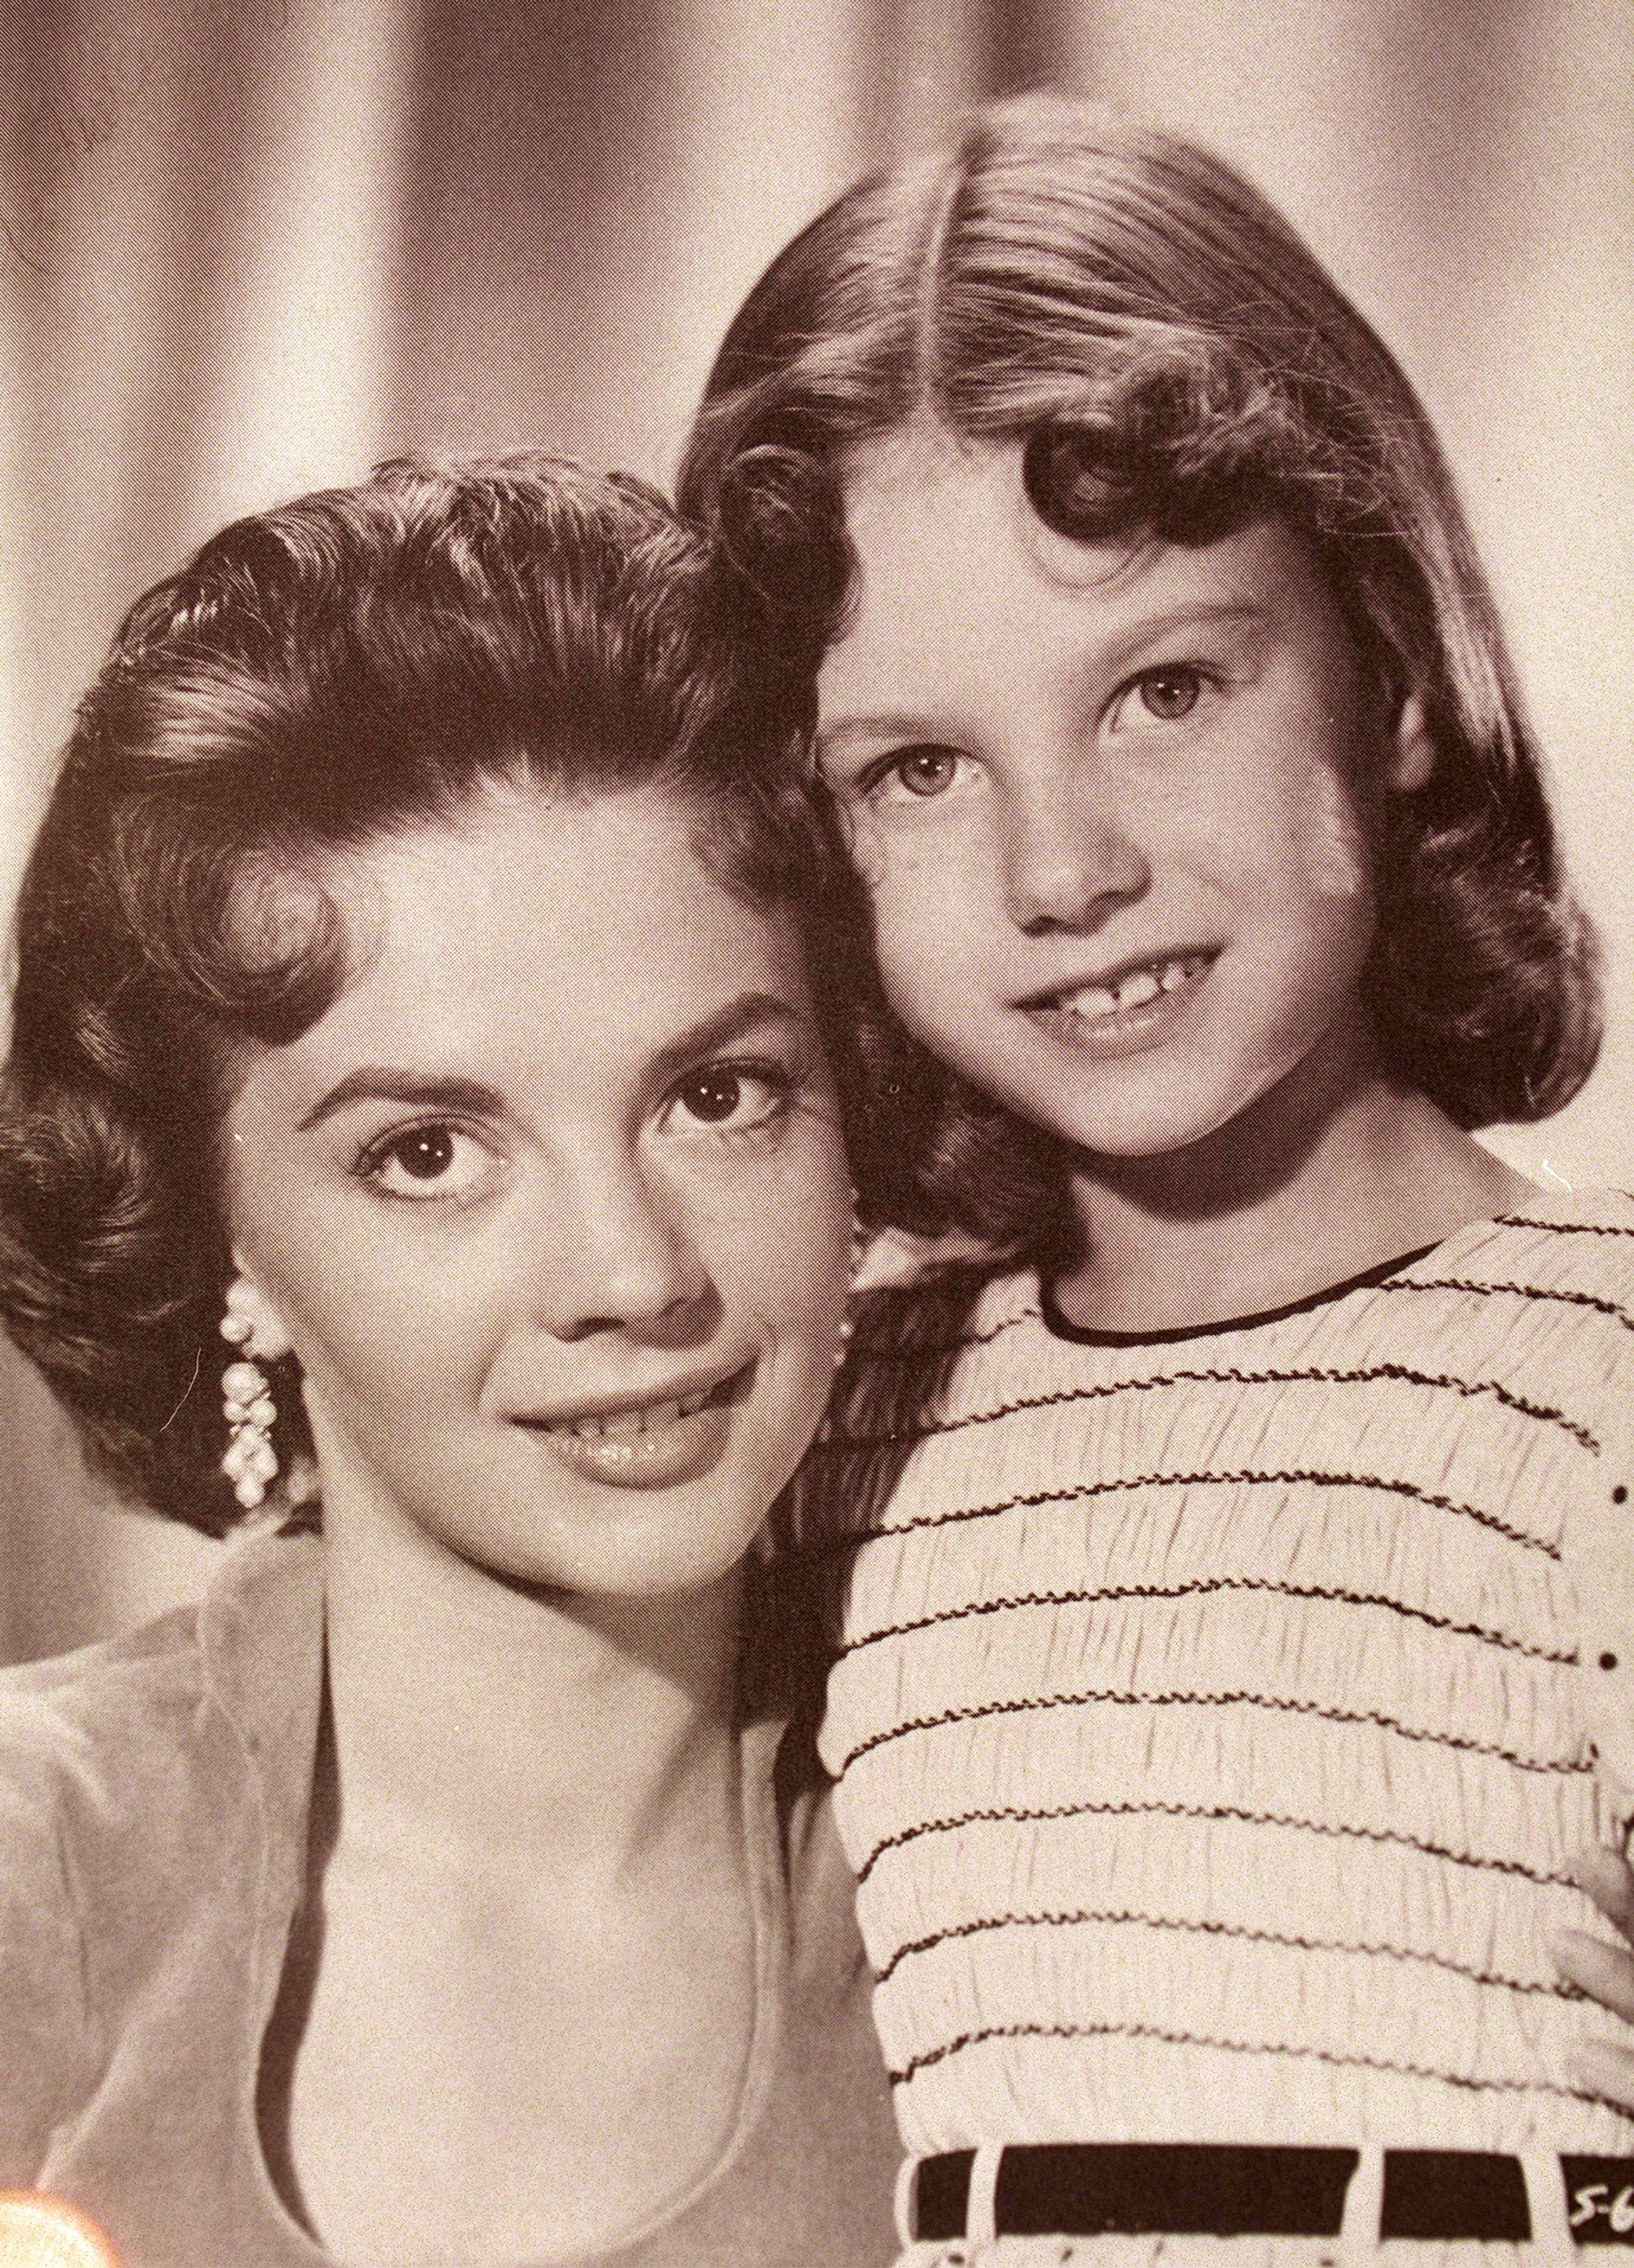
x,y
346,667
1174,365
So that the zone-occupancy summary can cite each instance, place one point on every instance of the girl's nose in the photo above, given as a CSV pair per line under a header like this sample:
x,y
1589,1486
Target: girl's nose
x,y
622,1258
1066,864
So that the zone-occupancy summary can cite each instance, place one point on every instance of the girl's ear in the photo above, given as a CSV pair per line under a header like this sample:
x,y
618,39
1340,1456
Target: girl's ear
x,y
1411,760
265,1335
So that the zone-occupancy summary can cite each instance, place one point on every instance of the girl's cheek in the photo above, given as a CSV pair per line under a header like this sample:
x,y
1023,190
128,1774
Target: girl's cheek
x,y
935,890
1328,839
920,956
867,853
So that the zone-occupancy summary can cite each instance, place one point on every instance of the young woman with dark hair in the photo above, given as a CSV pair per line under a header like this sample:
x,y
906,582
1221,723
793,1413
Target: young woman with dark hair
x,y
421,1012
1249,1646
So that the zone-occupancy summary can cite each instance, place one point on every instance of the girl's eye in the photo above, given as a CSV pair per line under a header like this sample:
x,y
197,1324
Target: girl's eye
x,y
432,1160
1169,693
729,1098
917,774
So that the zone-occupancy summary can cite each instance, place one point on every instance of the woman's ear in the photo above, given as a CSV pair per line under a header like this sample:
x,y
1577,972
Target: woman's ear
x,y
263,1334
1411,761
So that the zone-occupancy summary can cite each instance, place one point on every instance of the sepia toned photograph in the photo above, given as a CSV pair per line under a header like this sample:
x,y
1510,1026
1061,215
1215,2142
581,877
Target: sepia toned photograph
x,y
816,1273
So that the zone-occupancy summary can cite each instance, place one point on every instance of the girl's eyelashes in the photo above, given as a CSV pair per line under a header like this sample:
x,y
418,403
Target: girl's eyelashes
x,y
431,1160
736,1097
1167,693
917,774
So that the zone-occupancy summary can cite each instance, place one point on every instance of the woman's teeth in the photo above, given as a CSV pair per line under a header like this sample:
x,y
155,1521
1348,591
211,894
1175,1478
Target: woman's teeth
x,y
646,1417
1136,988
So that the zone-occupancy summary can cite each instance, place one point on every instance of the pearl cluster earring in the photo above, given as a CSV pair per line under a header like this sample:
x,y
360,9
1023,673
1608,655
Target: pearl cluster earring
x,y
859,1245
251,1463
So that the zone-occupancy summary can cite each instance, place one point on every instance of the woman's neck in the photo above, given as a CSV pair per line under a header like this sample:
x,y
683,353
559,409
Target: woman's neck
x,y
1331,1172
481,1726
528,1811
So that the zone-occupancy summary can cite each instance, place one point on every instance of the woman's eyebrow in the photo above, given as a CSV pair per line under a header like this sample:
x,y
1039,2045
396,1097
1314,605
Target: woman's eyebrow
x,y
472,1099
378,1083
750,1012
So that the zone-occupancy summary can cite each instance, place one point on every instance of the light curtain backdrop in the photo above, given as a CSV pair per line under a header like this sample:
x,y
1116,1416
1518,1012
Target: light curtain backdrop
x,y
248,246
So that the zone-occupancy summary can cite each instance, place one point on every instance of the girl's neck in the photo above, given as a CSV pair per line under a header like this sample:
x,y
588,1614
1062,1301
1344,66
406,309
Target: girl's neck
x,y
1333,1172
484,1726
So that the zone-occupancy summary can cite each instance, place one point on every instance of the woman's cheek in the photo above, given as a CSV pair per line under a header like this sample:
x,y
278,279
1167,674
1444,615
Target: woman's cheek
x,y
811,1206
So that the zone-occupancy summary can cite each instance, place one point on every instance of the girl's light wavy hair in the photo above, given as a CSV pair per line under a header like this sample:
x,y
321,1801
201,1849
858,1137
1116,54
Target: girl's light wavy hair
x,y
1175,362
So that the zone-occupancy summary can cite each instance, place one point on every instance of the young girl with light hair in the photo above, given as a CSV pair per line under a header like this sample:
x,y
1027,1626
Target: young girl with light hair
x,y
1247,1648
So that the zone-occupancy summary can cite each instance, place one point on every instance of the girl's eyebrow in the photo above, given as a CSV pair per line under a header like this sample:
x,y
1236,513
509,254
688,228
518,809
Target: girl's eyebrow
x,y
882,727
473,1099
1150,629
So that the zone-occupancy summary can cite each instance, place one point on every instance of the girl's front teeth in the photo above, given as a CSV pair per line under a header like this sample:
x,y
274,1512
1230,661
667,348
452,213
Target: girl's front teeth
x,y
1133,990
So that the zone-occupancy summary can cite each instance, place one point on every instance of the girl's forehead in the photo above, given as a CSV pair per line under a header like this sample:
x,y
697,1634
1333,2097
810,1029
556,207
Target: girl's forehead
x,y
926,504
950,553
924,479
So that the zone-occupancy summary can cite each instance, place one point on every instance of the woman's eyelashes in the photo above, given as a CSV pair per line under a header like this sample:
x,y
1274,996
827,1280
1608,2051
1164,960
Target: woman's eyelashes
x,y
730,1098
429,1160
435,1160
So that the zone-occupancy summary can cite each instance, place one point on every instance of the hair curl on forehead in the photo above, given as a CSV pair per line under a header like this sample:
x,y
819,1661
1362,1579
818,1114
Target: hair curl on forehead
x,y
1174,364
320,676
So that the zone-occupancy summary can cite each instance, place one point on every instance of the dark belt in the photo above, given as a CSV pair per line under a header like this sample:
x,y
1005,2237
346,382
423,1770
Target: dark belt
x,y
1206,2189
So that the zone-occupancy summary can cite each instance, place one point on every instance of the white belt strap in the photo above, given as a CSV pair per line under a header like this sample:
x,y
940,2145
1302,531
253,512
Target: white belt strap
x,y
1546,2202
1364,2202
981,2215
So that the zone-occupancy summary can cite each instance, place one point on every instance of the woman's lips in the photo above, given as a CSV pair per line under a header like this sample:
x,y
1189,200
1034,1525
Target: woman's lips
x,y
648,1444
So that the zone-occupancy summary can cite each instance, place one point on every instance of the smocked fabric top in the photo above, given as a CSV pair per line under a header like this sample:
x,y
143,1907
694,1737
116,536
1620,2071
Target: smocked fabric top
x,y
1218,1711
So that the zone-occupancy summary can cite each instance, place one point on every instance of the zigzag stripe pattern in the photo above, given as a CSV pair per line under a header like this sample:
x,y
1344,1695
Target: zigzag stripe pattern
x,y
1215,1716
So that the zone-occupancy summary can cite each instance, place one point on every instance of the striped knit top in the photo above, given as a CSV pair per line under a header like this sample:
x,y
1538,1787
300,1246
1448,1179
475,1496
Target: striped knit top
x,y
1217,1711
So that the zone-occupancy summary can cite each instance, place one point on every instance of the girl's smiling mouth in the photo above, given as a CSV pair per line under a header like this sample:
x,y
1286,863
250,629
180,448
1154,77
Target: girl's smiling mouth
x,y
650,1443
1126,1001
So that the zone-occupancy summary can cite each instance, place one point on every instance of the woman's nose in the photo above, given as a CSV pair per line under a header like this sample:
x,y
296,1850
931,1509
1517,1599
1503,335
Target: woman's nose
x,y
1066,862
622,1258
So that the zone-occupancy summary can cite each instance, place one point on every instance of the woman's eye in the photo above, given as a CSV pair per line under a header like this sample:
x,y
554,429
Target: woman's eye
x,y
433,1161
919,774
1169,693
729,1098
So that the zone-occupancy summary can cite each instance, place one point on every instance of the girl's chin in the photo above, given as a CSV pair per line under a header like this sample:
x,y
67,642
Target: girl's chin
x,y
1251,1133
1148,1136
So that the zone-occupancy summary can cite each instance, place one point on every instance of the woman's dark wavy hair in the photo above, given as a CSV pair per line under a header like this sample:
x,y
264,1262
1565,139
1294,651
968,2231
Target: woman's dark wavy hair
x,y
319,675
1176,363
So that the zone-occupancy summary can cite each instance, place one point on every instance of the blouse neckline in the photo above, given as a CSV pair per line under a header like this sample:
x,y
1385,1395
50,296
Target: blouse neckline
x,y
1365,1278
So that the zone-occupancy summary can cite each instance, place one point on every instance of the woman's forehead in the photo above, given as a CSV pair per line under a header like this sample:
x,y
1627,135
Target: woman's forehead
x,y
535,914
